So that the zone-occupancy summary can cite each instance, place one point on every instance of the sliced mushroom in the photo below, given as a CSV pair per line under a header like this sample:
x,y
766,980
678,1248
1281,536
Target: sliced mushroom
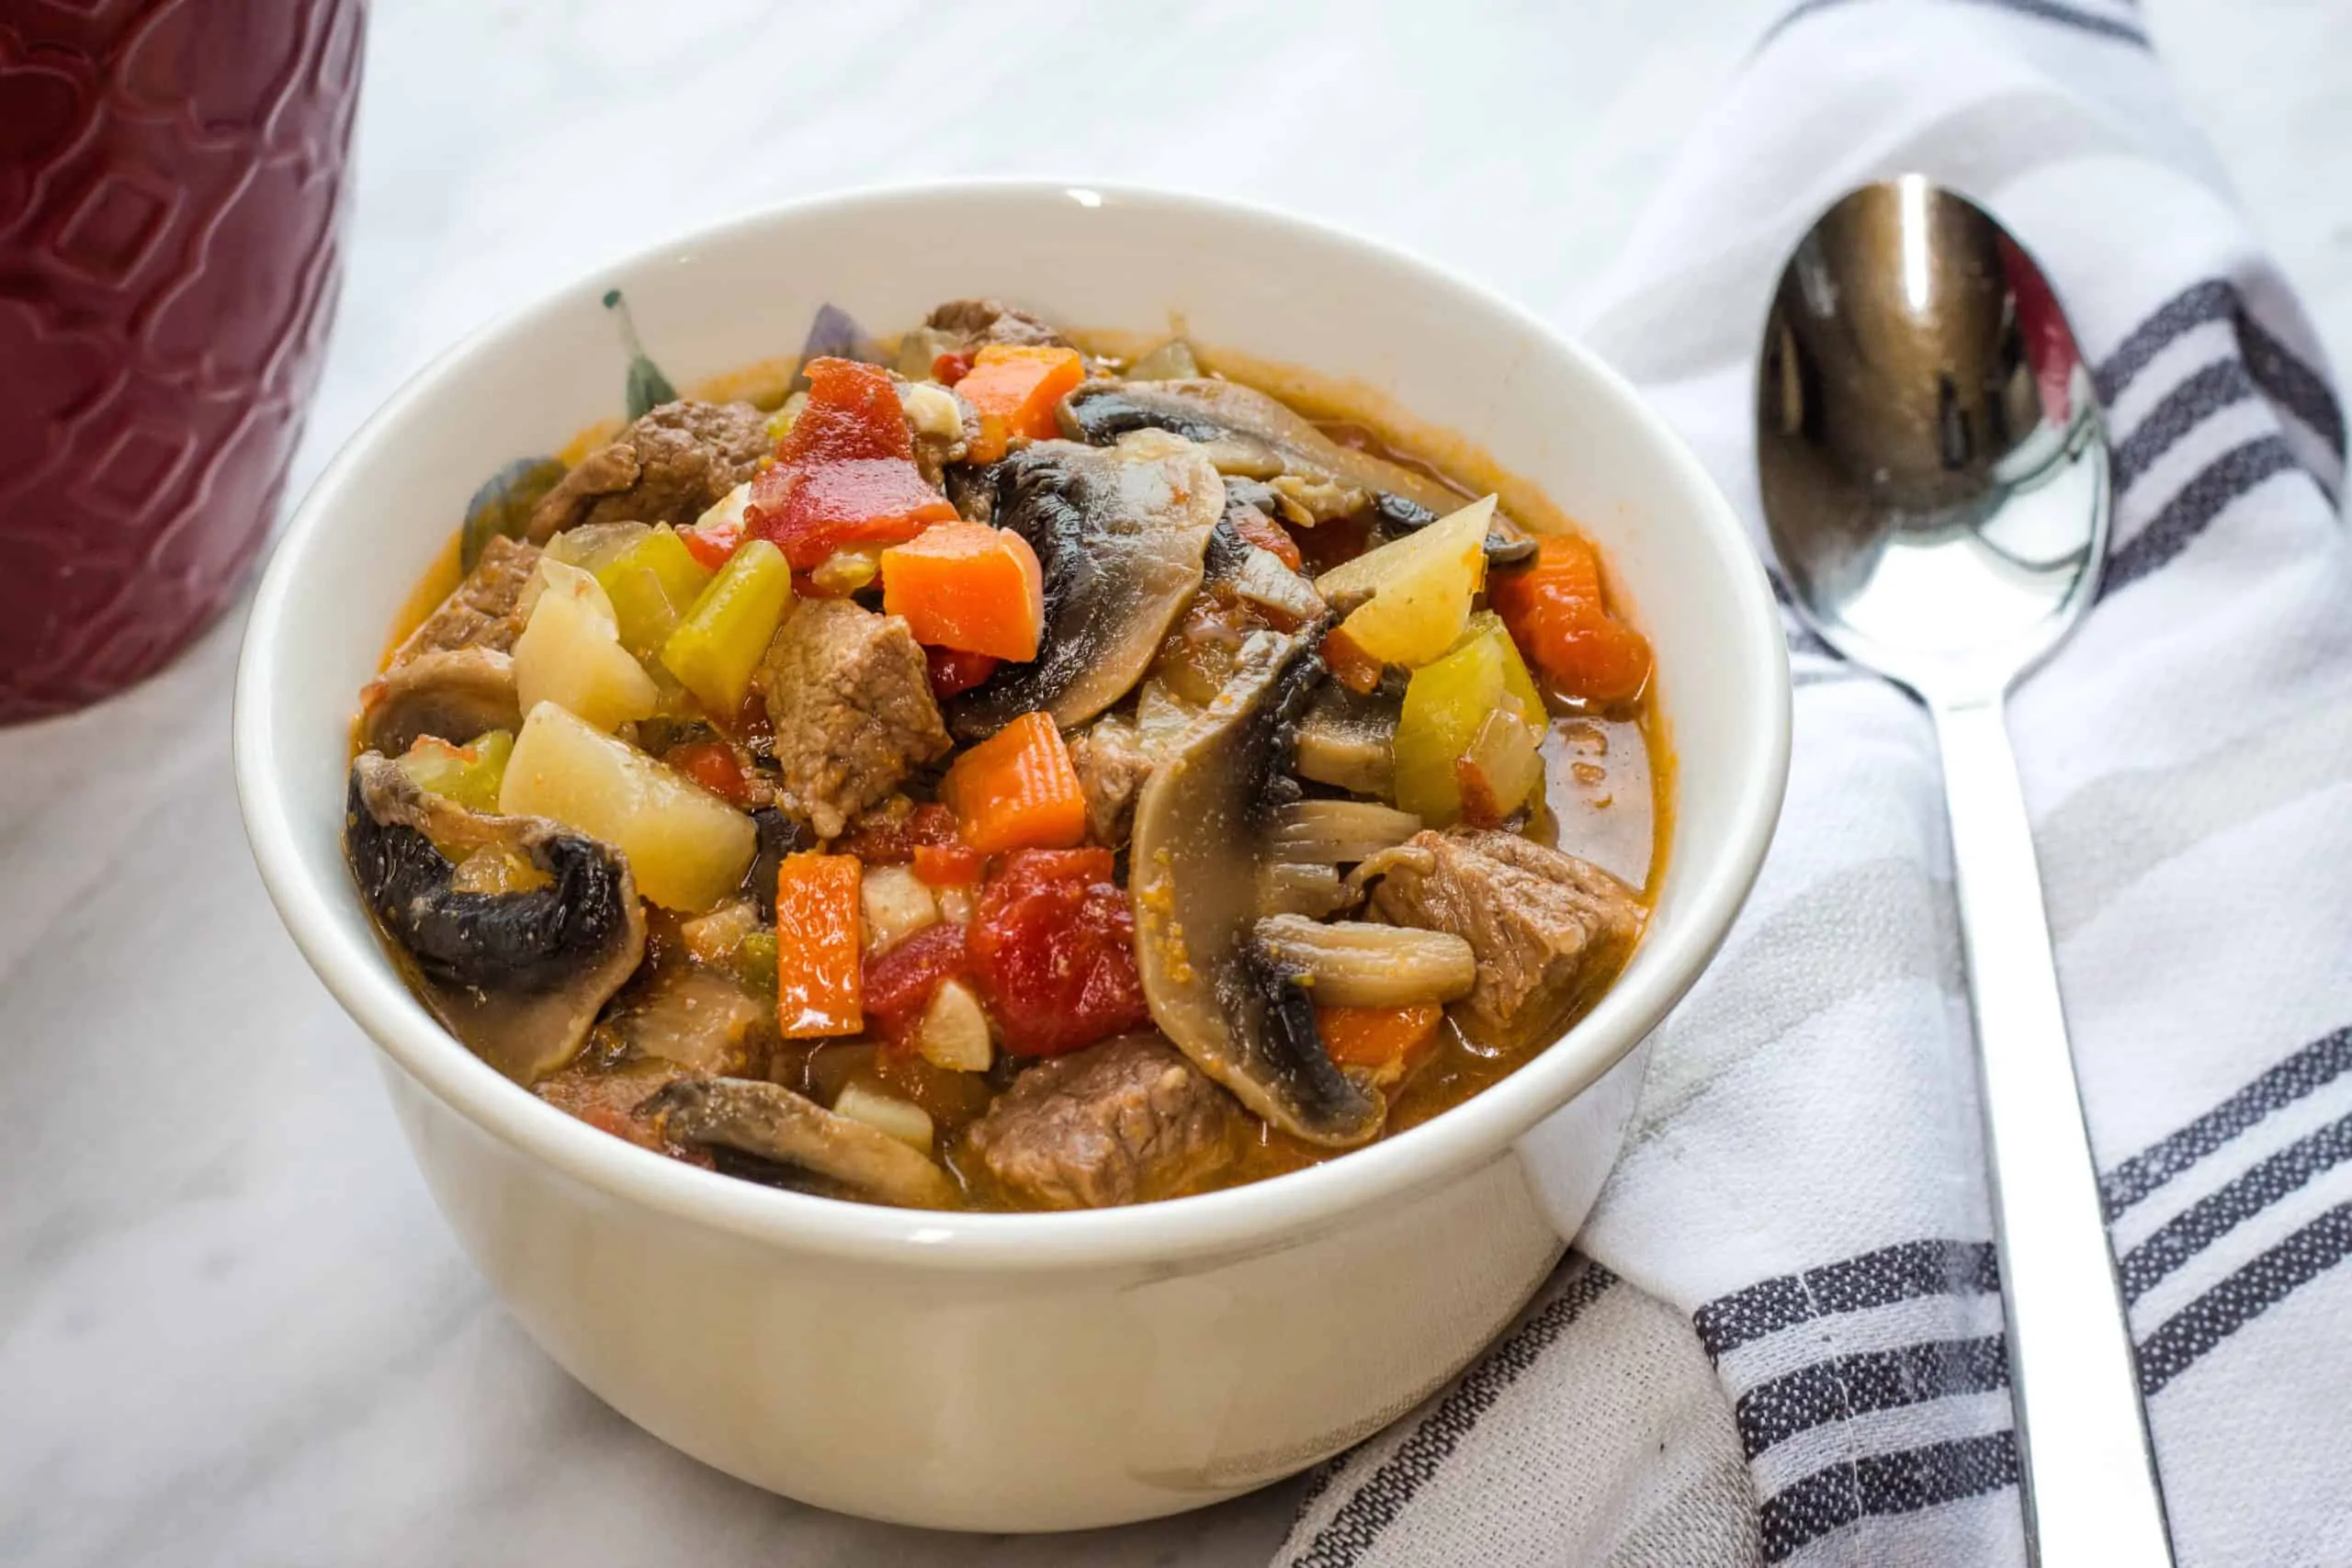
x,y
693,1018
518,976
454,695
1349,740
1203,832
1258,435
770,1122
1120,533
1255,576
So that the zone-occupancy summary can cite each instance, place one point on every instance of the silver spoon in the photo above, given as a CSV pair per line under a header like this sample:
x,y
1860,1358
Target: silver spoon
x,y
1935,482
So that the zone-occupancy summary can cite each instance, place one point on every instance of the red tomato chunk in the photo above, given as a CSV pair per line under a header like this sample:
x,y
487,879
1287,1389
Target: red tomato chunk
x,y
953,671
902,979
1053,948
712,765
844,473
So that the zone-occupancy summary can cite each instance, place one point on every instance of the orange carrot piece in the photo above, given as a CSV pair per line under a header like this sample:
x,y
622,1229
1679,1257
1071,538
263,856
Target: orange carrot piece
x,y
1378,1037
820,985
1017,790
1014,389
968,587
1557,613
947,865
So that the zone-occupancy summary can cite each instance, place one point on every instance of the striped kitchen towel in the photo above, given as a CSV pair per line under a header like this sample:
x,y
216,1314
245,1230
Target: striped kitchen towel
x,y
1780,1336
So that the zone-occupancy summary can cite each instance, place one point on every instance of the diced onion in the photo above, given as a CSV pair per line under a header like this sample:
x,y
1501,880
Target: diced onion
x,y
931,409
896,903
954,1031
1499,770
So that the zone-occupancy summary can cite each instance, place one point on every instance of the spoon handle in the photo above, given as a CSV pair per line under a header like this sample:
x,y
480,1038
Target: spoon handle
x,y
2089,1479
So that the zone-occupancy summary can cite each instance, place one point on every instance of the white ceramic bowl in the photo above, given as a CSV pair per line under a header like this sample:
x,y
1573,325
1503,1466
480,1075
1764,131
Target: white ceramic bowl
x,y
1019,1371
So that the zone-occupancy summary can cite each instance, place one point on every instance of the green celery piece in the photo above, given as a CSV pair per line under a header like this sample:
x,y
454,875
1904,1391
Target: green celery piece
x,y
470,774
718,645
652,584
1517,681
1444,704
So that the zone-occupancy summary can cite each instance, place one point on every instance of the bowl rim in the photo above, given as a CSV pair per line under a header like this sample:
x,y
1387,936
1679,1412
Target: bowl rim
x,y
1236,1219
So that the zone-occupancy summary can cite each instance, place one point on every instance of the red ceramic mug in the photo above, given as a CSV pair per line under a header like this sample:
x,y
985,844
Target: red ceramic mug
x,y
171,195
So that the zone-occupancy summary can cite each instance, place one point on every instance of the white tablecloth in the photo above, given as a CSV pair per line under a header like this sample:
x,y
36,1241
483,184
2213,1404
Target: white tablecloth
x,y
233,1328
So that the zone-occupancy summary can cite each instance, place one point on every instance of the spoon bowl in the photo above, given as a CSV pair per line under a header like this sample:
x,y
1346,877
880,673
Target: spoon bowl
x,y
1934,472
1935,481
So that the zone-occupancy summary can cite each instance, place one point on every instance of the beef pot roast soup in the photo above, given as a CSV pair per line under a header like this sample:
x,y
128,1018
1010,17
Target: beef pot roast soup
x,y
988,769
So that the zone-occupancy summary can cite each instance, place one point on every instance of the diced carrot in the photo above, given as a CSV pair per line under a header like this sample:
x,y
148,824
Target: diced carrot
x,y
1014,389
967,586
1017,790
948,865
1378,1037
1559,616
953,671
818,942
1349,665
1255,527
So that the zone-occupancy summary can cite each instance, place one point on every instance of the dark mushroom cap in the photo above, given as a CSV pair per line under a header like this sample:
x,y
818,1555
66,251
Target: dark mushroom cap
x,y
1120,533
1246,432
518,977
1200,844
1237,424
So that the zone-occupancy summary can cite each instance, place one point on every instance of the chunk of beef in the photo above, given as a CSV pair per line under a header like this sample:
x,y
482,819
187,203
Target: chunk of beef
x,y
484,611
669,467
975,322
853,711
1125,1121
1550,929
1111,763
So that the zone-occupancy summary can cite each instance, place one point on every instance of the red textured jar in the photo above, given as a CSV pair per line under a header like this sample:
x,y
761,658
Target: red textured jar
x,y
171,198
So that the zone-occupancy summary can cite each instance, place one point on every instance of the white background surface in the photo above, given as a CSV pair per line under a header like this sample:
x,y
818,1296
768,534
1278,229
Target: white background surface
x,y
233,1328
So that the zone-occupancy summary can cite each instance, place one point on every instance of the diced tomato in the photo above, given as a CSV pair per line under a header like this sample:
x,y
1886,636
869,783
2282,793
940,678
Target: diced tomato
x,y
1332,543
902,979
953,671
892,841
950,367
852,412
844,473
713,765
1255,527
1556,613
1053,947
714,546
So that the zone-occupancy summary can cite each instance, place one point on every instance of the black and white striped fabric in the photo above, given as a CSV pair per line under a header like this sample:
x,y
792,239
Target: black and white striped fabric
x,y
1780,1337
